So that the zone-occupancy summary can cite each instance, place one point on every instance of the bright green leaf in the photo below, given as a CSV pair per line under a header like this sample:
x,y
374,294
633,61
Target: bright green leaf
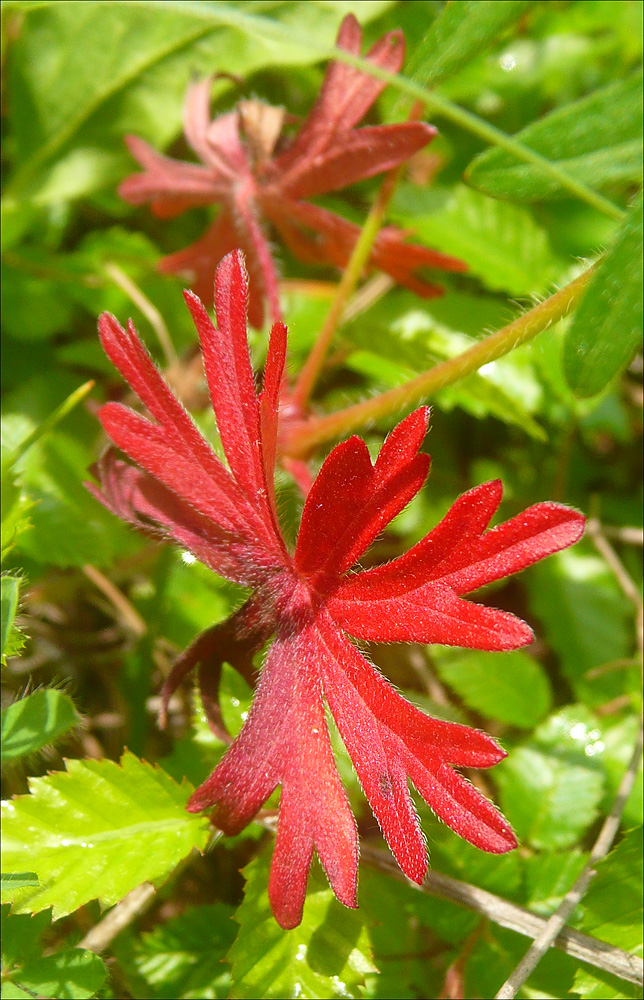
x,y
413,340
97,830
35,721
598,140
461,31
613,903
510,687
548,876
551,787
502,244
326,956
607,328
68,526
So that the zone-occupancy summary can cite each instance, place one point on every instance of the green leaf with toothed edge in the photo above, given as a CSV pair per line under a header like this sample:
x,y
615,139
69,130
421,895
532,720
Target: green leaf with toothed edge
x,y
97,830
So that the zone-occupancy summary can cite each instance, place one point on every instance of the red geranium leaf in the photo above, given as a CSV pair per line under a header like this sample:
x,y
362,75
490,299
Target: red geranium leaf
x,y
226,516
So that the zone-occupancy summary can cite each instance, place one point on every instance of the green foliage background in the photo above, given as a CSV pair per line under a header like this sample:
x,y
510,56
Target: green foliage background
x,y
92,615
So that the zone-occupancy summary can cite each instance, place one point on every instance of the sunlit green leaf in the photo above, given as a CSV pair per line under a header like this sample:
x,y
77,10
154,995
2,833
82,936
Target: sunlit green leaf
x,y
327,956
510,687
550,786
548,876
607,328
595,984
97,830
10,591
35,721
598,140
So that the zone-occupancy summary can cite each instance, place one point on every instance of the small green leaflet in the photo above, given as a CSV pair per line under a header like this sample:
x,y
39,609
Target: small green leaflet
x,y
607,328
35,721
17,880
327,956
97,830
597,140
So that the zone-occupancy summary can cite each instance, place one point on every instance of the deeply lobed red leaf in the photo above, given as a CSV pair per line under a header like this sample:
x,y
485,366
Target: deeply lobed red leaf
x,y
310,599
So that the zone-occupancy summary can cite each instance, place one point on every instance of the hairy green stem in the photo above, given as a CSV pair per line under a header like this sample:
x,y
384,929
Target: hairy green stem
x,y
302,438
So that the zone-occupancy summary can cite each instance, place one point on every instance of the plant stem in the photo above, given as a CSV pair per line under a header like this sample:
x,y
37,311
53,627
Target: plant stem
x,y
360,255
302,438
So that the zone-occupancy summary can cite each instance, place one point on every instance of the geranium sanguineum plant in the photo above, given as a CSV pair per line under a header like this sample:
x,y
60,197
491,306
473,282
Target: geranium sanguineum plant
x,y
310,600
257,177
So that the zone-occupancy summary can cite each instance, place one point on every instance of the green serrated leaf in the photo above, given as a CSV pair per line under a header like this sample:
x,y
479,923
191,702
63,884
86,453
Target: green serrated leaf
x,y
598,140
97,831
182,958
73,974
506,389
551,787
461,31
20,938
607,328
327,956
510,687
613,903
68,526
502,244
35,721
15,508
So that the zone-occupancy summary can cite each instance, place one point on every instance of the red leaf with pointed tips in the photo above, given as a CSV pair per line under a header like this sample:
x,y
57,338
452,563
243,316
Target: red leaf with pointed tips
x,y
308,600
